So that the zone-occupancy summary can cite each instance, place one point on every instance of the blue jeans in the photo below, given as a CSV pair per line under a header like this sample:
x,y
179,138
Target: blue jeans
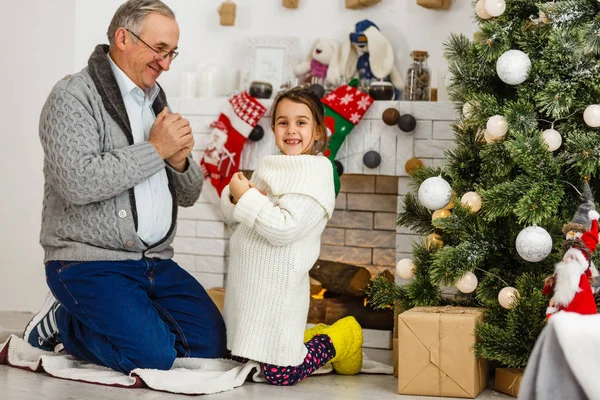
x,y
134,314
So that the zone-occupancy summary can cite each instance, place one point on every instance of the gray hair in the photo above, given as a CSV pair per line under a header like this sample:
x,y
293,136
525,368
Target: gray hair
x,y
131,14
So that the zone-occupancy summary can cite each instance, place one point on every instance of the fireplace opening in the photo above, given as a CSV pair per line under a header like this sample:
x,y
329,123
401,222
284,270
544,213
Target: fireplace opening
x,y
338,291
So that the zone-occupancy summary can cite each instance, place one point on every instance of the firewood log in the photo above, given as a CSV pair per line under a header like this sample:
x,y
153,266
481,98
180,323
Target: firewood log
x,y
341,278
315,286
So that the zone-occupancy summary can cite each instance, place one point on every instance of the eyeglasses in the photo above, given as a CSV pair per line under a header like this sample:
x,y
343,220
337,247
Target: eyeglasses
x,y
171,55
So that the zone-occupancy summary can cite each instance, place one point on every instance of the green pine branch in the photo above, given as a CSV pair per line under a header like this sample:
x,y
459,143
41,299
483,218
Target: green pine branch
x,y
414,216
382,293
509,336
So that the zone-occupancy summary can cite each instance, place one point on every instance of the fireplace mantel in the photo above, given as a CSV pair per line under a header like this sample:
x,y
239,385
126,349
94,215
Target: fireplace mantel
x,y
428,141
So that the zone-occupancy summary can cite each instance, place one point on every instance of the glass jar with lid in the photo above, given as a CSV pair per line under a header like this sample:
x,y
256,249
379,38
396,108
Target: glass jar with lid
x,y
418,78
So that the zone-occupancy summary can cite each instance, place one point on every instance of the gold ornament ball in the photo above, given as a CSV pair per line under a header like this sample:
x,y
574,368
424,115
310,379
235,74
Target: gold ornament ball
x,y
405,269
412,165
443,213
433,240
390,116
507,297
468,283
471,200
450,204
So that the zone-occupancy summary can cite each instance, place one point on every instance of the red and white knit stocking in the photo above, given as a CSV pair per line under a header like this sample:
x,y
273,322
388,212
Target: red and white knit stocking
x,y
222,156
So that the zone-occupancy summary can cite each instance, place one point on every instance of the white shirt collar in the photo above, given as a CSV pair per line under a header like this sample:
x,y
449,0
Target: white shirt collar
x,y
127,87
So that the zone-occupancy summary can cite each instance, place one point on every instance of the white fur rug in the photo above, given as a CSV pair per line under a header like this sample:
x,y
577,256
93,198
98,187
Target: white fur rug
x,y
188,375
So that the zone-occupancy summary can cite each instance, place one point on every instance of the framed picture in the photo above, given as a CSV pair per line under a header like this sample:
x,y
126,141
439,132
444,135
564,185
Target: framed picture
x,y
270,59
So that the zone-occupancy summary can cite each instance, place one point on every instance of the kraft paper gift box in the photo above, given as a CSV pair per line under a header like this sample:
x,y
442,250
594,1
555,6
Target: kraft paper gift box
x,y
397,311
435,352
395,356
508,380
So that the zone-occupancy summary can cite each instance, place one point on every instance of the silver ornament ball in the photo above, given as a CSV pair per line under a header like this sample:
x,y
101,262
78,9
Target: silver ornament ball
x,y
534,243
434,193
513,67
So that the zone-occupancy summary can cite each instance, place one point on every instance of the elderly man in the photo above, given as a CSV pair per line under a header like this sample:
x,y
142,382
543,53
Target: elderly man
x,y
117,164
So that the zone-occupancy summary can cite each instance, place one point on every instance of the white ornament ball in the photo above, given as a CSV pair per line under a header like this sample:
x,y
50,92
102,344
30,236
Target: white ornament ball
x,y
552,139
495,7
534,243
468,282
481,11
434,193
471,200
507,297
513,67
497,126
591,115
467,108
405,269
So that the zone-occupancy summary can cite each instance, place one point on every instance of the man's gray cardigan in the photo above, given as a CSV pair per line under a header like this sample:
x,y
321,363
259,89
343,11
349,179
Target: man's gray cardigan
x,y
91,166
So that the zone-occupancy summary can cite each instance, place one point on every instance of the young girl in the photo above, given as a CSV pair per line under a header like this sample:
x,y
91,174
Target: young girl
x,y
278,218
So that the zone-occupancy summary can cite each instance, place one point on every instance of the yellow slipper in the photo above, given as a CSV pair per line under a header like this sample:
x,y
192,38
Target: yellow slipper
x,y
346,335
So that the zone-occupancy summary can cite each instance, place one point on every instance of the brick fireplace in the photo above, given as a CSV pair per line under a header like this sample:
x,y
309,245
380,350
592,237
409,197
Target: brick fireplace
x,y
362,230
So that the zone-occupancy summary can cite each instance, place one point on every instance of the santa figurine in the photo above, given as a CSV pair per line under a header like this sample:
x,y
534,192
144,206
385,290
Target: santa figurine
x,y
574,274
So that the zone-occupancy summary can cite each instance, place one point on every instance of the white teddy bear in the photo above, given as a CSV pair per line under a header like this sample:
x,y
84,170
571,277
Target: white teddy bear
x,y
322,62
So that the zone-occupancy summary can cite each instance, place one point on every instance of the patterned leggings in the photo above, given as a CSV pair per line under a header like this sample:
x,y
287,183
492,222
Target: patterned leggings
x,y
320,350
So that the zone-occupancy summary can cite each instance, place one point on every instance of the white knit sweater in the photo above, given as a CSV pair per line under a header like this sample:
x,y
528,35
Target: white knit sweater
x,y
276,241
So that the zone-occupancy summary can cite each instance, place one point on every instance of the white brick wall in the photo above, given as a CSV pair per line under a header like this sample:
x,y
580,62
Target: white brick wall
x,y
201,244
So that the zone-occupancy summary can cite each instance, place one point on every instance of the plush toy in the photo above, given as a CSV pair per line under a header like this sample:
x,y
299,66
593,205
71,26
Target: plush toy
x,y
368,55
571,283
574,274
321,62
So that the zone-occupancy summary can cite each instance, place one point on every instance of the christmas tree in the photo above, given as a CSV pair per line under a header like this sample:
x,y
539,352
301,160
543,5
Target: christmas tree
x,y
527,89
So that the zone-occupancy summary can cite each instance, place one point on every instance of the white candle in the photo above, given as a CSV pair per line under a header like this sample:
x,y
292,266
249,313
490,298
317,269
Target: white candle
x,y
210,82
187,84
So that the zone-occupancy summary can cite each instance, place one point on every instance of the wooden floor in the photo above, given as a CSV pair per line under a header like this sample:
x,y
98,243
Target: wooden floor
x,y
16,384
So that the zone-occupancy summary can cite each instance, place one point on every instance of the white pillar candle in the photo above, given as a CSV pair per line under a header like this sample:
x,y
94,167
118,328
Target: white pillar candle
x,y
187,84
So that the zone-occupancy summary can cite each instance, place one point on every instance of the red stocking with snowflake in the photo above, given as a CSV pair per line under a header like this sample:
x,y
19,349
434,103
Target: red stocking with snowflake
x,y
221,158
344,108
